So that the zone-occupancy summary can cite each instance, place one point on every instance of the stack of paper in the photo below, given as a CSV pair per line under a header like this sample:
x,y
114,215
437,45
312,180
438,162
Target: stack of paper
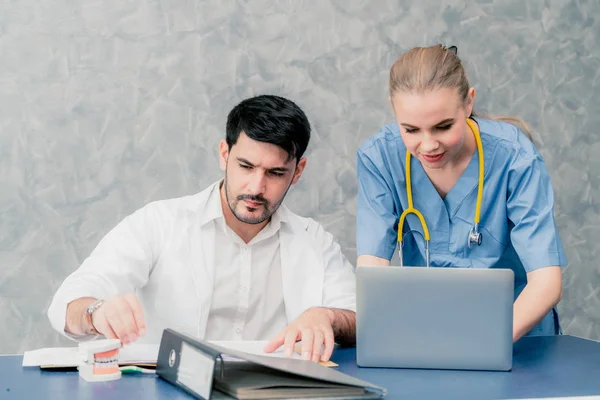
x,y
256,347
139,354
68,357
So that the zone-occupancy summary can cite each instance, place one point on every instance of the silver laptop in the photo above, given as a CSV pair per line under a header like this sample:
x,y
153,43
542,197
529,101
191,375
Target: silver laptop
x,y
440,318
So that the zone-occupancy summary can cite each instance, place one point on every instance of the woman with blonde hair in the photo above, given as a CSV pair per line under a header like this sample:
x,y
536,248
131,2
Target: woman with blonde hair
x,y
424,174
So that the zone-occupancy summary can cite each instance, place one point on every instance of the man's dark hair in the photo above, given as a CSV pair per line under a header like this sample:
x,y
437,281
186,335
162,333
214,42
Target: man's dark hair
x,y
270,119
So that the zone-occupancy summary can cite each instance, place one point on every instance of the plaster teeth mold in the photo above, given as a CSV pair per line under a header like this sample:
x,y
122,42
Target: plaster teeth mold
x,y
100,360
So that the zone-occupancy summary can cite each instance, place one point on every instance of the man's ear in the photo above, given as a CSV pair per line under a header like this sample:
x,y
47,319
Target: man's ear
x,y
299,168
223,154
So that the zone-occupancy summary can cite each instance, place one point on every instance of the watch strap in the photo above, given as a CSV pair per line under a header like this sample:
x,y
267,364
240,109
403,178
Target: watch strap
x,y
88,316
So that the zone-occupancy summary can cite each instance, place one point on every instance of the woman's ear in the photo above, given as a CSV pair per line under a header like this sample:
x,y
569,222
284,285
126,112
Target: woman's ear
x,y
470,101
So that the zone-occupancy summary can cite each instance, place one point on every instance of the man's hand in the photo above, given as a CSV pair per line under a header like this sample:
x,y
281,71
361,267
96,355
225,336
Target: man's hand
x,y
120,317
315,328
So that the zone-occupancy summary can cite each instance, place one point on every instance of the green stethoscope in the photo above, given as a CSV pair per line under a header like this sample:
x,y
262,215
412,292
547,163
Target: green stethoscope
x,y
474,234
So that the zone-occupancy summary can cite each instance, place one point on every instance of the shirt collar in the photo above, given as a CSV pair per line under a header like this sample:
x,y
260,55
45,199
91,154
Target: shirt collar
x,y
213,208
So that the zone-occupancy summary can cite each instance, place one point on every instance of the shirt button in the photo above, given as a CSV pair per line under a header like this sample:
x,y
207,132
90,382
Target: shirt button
x,y
243,288
238,330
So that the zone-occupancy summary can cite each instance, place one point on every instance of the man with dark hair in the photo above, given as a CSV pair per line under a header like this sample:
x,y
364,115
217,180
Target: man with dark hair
x,y
229,263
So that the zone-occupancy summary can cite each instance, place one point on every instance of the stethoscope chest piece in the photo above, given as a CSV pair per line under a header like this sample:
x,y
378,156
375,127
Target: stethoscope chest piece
x,y
474,236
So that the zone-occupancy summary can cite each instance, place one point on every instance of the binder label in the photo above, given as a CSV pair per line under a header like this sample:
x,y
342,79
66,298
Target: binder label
x,y
196,370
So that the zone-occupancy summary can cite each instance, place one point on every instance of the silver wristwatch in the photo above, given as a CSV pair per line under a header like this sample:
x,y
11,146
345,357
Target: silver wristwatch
x,y
88,315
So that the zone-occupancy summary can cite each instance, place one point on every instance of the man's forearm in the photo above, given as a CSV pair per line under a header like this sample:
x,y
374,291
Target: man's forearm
x,y
75,322
344,326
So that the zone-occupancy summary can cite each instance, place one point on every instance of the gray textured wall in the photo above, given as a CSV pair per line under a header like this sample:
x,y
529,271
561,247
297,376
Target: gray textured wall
x,y
107,105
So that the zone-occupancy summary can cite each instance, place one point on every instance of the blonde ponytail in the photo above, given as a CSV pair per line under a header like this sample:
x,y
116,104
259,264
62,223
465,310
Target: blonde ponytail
x,y
516,121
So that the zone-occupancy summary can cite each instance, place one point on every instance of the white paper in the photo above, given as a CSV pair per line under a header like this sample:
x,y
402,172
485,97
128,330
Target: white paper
x,y
69,356
134,354
139,354
54,356
254,347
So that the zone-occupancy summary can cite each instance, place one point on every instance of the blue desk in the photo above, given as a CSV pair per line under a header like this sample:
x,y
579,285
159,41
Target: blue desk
x,y
558,366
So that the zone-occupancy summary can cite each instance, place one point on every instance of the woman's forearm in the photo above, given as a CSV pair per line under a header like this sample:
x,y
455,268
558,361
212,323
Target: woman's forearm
x,y
542,292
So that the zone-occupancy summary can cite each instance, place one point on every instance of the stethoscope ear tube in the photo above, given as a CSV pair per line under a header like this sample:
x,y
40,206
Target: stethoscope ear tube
x,y
402,246
474,234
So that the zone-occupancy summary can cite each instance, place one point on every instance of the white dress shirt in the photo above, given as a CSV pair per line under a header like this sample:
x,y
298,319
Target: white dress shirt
x,y
247,302
191,274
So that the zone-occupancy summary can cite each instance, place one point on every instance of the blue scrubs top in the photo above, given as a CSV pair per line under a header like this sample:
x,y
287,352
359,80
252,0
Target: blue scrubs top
x,y
517,218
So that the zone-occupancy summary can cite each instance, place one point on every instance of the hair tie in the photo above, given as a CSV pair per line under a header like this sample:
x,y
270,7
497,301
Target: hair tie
x,y
452,49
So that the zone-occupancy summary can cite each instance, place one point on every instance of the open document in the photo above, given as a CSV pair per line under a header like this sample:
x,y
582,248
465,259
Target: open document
x,y
138,354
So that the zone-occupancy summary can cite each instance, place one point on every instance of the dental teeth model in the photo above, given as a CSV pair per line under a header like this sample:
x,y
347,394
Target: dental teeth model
x,y
99,360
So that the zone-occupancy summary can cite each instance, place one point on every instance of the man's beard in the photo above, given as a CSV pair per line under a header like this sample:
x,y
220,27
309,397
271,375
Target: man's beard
x,y
268,208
